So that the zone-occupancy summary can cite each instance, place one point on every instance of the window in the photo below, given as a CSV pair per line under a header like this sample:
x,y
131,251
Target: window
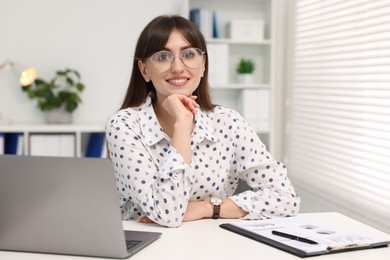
x,y
338,118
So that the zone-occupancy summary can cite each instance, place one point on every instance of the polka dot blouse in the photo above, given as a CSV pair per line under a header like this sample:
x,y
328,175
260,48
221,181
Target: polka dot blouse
x,y
153,179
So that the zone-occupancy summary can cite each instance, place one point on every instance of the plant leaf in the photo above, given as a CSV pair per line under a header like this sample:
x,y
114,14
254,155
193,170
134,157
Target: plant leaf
x,y
80,86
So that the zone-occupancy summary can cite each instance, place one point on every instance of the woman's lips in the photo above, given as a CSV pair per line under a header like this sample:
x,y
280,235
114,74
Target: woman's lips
x,y
178,82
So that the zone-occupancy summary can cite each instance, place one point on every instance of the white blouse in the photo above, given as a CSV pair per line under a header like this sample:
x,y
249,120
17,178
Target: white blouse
x,y
153,179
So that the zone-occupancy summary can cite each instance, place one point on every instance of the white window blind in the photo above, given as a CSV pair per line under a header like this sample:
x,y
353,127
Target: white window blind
x,y
338,121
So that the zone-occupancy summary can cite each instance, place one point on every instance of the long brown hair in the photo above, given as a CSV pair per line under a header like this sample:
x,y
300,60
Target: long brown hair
x,y
153,39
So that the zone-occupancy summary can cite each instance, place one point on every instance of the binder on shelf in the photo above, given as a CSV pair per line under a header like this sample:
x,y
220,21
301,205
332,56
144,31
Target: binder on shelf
x,y
104,151
66,145
62,145
96,146
218,55
37,145
305,237
254,107
13,143
2,136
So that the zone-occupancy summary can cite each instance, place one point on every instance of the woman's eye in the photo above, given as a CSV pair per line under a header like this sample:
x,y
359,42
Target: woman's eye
x,y
188,54
163,56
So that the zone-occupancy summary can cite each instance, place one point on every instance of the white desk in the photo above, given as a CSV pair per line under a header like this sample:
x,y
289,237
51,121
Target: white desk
x,y
204,239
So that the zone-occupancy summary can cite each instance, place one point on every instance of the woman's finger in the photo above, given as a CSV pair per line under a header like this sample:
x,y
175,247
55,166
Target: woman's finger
x,y
144,219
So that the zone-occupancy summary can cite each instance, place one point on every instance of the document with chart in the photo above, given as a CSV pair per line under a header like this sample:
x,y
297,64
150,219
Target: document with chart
x,y
303,236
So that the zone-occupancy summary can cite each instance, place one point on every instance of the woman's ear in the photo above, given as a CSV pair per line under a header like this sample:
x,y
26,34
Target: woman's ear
x,y
142,69
203,68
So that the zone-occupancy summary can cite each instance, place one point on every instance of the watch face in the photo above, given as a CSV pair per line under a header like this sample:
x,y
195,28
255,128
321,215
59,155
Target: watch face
x,y
216,201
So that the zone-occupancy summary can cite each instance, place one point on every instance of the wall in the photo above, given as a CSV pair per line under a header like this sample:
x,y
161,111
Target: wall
x,y
96,37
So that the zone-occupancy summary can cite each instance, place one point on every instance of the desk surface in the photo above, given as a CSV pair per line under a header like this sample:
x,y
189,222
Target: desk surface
x,y
204,239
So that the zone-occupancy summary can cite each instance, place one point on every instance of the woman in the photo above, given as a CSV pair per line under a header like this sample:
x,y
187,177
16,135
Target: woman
x,y
177,156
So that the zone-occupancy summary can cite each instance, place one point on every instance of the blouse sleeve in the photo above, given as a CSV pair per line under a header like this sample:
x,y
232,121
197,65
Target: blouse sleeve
x,y
271,194
160,188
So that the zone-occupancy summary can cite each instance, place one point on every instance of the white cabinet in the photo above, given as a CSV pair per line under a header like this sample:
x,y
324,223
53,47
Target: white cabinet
x,y
55,140
229,93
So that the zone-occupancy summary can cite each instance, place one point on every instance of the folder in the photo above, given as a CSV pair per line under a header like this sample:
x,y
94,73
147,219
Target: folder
x,y
96,146
303,237
13,143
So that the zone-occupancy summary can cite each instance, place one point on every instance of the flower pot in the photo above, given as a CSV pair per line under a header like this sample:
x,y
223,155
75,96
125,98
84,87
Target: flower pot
x,y
245,78
58,116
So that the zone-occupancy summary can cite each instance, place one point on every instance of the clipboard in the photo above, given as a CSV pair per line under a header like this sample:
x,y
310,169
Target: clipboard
x,y
298,230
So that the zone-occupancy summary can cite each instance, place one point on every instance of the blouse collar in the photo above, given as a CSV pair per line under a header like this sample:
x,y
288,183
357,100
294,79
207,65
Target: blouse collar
x,y
153,132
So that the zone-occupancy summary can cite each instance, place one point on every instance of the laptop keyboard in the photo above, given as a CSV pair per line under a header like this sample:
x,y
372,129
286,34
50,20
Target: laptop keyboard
x,y
132,243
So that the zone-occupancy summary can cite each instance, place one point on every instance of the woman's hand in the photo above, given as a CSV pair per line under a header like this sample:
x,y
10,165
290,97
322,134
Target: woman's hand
x,y
145,220
182,110
180,107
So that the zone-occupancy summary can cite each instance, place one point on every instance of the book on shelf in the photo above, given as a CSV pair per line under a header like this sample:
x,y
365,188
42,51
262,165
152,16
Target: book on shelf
x,y
96,145
13,143
204,19
303,236
62,145
216,26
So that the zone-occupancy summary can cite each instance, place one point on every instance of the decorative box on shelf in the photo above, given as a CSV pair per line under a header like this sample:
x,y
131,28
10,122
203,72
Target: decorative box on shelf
x,y
246,30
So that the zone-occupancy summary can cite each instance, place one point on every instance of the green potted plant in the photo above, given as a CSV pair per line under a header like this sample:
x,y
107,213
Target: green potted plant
x,y
59,97
245,70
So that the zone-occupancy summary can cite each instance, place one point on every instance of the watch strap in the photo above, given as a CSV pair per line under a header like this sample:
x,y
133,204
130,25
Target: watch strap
x,y
216,211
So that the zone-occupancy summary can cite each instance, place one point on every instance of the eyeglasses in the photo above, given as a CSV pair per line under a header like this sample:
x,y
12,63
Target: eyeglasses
x,y
191,58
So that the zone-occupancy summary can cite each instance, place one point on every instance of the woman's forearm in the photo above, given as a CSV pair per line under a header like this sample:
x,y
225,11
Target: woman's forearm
x,y
204,209
181,140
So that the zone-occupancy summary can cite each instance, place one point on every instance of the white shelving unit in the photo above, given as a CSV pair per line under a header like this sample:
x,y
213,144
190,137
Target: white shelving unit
x,y
261,52
81,133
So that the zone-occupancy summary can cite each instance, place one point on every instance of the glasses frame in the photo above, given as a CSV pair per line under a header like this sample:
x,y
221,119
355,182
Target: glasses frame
x,y
175,56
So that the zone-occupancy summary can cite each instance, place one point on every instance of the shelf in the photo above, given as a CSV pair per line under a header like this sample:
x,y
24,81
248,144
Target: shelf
x,y
235,86
51,128
81,134
237,42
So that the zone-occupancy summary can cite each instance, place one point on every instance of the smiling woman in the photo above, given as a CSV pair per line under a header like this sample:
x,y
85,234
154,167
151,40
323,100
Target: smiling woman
x,y
177,156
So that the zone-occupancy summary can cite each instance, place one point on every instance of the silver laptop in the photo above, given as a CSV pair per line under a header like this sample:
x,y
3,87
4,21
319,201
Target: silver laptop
x,y
63,206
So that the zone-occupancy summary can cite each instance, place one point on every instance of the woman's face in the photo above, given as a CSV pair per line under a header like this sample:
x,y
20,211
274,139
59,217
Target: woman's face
x,y
178,78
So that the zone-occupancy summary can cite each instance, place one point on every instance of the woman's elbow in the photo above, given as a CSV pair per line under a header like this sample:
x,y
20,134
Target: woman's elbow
x,y
168,221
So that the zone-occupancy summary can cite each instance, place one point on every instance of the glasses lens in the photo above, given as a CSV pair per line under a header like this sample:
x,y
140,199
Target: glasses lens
x,y
162,60
191,58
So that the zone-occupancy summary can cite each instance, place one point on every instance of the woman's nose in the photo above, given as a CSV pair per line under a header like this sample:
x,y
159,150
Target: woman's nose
x,y
177,65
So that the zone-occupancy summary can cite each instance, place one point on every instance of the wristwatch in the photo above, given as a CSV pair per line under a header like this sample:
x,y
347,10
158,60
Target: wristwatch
x,y
216,202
